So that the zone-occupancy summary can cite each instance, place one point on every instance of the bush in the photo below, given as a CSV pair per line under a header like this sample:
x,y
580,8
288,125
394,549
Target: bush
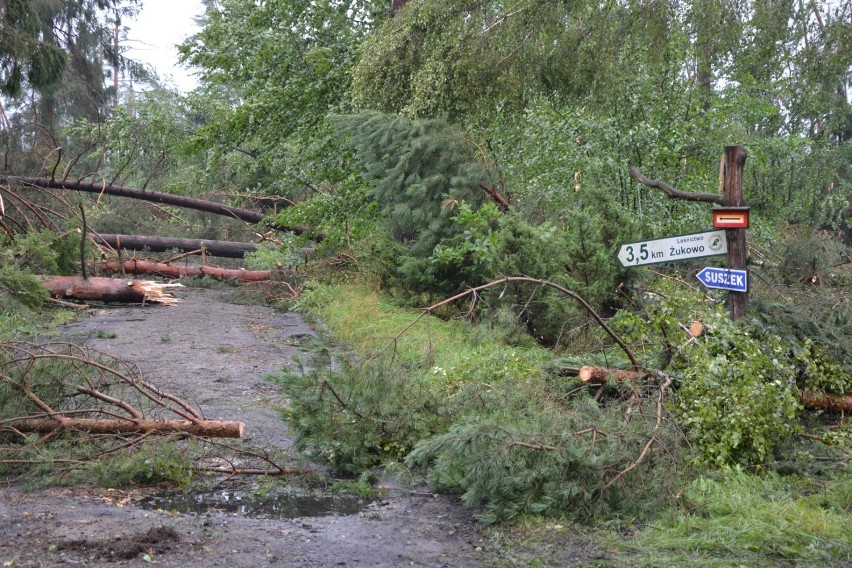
x,y
481,418
737,396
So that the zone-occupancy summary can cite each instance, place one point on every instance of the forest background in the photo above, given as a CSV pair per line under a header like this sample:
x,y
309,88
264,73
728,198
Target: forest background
x,y
433,146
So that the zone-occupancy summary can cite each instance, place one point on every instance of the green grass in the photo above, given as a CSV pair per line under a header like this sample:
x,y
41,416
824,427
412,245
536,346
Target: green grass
x,y
367,324
740,519
101,334
17,321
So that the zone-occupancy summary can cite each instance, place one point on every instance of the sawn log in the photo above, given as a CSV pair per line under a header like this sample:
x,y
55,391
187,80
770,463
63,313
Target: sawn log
x,y
109,290
824,401
134,266
602,374
205,428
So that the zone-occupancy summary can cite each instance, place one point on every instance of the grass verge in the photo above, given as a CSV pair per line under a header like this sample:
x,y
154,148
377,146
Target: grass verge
x,y
740,519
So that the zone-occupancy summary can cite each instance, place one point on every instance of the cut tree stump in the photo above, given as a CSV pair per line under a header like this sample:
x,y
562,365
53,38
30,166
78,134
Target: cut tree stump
x,y
109,290
602,374
134,266
204,428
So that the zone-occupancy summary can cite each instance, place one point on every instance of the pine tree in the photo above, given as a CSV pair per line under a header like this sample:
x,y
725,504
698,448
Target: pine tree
x,y
420,171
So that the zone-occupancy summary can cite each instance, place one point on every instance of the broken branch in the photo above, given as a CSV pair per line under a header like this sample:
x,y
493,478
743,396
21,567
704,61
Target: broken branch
x,y
673,193
203,428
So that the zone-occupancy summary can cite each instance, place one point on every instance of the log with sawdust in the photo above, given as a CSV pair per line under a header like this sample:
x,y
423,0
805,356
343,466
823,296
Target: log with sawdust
x,y
135,266
204,428
109,290
590,374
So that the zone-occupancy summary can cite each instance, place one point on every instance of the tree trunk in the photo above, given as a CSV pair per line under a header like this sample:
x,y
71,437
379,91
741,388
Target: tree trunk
x,y
159,197
134,266
601,374
227,249
108,290
205,428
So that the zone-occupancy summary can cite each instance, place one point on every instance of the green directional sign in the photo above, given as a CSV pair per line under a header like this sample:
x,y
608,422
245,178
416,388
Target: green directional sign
x,y
673,249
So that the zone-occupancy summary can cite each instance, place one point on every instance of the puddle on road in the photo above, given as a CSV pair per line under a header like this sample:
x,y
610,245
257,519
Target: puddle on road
x,y
259,507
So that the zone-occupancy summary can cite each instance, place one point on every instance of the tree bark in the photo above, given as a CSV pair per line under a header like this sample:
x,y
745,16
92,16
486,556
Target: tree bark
x,y
822,401
205,428
134,266
108,290
226,249
159,197
602,374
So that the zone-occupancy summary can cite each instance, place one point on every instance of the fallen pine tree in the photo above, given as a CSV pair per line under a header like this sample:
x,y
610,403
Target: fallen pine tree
x,y
226,249
137,266
109,290
155,197
58,390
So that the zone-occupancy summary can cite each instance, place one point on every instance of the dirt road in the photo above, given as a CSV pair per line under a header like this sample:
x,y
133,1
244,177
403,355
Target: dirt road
x,y
217,354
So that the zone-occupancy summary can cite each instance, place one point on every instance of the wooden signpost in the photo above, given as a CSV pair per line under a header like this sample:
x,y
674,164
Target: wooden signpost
x,y
732,217
731,174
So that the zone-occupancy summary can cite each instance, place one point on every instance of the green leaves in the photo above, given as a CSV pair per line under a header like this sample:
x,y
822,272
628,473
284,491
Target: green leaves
x,y
287,61
738,397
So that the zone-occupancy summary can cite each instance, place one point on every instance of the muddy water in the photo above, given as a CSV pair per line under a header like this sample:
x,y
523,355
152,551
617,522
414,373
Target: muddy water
x,y
255,506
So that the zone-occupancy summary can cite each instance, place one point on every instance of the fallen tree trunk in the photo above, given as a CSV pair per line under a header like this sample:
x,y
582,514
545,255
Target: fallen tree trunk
x,y
810,399
204,428
135,266
589,374
159,197
823,401
109,290
226,249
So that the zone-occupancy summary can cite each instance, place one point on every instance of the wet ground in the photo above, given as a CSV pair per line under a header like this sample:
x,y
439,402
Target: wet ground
x,y
217,354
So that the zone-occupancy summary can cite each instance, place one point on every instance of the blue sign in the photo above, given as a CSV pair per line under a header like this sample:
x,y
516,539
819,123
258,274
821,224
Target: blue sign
x,y
724,278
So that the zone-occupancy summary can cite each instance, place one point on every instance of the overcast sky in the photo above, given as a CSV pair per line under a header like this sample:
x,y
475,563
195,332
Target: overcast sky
x,y
154,33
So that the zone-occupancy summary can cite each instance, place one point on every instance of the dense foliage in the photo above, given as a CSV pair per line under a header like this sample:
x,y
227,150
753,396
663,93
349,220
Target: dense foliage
x,y
459,142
